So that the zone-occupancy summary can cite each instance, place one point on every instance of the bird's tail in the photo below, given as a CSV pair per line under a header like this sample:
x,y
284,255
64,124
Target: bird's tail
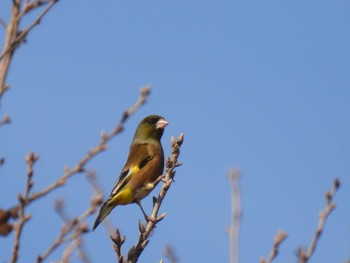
x,y
104,211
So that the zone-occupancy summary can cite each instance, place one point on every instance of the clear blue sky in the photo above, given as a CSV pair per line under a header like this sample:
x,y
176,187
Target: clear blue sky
x,y
259,85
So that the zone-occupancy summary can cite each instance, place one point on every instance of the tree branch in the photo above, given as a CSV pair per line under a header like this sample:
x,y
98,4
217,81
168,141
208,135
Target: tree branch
x,y
31,158
279,238
236,215
304,255
5,120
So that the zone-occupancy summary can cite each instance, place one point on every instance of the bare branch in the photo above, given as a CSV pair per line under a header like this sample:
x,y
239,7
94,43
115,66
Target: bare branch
x,y
76,245
279,238
5,120
304,255
236,215
76,225
118,241
31,158
145,230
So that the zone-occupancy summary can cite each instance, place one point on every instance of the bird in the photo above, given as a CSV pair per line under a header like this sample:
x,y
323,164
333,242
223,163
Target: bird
x,y
142,170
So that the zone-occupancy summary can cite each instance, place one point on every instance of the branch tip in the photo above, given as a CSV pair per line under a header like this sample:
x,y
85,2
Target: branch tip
x,y
336,183
142,228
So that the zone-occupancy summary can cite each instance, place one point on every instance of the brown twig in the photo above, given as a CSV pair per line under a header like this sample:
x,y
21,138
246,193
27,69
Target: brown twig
x,y
5,120
279,238
76,245
14,36
100,147
305,255
145,230
169,253
236,214
118,241
76,225
3,23
31,158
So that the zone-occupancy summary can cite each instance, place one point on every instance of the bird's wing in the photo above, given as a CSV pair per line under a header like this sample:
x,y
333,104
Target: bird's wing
x,y
139,156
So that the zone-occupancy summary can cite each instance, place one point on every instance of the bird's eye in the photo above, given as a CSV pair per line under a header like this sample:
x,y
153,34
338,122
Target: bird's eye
x,y
151,121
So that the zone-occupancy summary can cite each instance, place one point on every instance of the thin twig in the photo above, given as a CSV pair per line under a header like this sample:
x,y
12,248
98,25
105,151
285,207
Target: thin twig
x,y
67,253
145,230
118,241
305,255
236,214
76,245
82,253
77,224
279,238
169,253
31,158
5,120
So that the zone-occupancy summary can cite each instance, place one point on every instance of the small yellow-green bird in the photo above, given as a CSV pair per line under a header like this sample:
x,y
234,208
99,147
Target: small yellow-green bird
x,y
143,167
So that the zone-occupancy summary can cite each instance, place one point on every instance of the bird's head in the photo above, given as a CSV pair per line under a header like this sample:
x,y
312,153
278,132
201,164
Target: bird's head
x,y
151,127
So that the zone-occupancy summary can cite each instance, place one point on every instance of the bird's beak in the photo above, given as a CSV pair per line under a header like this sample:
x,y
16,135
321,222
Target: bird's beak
x,y
161,124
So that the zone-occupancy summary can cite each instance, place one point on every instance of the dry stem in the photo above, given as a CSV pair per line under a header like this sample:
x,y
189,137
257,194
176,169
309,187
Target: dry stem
x,y
305,255
76,225
5,120
169,253
279,238
236,215
31,158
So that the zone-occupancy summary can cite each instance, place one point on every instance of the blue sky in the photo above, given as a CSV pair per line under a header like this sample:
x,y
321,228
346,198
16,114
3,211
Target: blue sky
x,y
258,85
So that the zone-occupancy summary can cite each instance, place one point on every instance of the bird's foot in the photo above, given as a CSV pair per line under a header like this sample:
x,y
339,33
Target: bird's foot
x,y
160,178
167,182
